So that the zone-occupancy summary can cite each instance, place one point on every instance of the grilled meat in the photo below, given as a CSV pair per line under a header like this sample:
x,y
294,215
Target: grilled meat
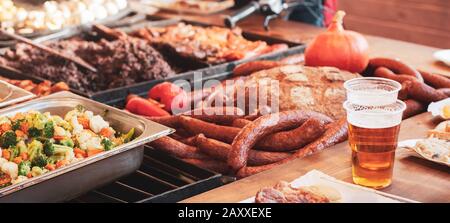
x,y
120,62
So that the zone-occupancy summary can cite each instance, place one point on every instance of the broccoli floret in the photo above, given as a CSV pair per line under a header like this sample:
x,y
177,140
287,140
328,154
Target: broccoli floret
x,y
60,149
67,142
24,168
49,148
39,160
16,124
128,136
80,108
107,144
9,138
22,147
35,148
34,132
49,130
36,171
14,151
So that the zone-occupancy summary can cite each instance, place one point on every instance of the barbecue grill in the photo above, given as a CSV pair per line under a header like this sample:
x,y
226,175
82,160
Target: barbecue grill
x,y
160,179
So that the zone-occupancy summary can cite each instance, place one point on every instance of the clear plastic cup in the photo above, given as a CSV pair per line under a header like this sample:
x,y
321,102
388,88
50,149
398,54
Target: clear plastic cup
x,y
372,91
373,138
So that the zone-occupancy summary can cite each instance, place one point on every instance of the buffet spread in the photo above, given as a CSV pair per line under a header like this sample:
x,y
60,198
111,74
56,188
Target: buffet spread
x,y
213,129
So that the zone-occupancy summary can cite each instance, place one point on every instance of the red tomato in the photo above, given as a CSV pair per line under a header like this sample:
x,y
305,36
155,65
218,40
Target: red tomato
x,y
141,106
170,95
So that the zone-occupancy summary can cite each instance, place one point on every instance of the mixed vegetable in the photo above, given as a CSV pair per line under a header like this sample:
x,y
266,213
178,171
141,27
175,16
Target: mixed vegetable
x,y
34,143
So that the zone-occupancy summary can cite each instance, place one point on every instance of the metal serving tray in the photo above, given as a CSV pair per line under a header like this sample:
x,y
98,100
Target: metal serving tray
x,y
10,94
78,178
67,31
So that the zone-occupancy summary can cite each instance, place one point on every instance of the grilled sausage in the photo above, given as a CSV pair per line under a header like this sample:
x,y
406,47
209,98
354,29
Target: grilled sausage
x,y
240,123
220,150
386,73
336,132
254,66
445,91
395,65
170,121
177,148
264,126
293,139
413,107
435,80
210,130
219,115
423,93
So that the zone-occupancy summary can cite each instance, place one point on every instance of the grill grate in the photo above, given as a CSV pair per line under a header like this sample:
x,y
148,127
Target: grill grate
x,y
161,178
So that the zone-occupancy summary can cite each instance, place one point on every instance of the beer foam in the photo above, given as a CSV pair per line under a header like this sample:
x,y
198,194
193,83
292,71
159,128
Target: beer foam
x,y
374,117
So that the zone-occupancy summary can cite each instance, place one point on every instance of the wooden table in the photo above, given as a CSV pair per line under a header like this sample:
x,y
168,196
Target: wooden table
x,y
419,56
414,178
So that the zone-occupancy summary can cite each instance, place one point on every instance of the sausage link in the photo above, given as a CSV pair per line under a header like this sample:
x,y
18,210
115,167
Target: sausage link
x,y
210,130
293,139
336,132
435,80
386,73
395,65
189,140
219,115
445,91
253,66
413,107
177,148
170,121
423,93
264,126
220,150
240,123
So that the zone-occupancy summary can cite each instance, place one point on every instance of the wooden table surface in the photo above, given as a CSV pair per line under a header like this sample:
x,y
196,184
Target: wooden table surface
x,y
419,56
414,178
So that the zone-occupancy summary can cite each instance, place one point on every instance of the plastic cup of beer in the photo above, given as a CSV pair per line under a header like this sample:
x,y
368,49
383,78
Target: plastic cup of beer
x,y
372,91
373,138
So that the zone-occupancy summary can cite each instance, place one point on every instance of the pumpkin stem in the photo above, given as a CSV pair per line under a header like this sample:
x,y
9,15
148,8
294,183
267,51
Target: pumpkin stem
x,y
336,24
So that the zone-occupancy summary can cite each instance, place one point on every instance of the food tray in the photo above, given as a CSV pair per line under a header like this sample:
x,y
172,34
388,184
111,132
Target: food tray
x,y
73,180
10,94
118,95
67,31
214,7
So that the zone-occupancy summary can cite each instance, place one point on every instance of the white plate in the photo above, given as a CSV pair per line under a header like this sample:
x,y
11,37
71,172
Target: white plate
x,y
350,193
437,108
407,146
443,55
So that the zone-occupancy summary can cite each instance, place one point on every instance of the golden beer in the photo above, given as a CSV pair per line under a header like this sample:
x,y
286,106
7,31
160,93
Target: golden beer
x,y
373,136
373,153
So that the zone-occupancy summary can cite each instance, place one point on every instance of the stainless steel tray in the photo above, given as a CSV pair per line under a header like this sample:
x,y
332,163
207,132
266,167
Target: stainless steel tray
x,y
10,94
75,179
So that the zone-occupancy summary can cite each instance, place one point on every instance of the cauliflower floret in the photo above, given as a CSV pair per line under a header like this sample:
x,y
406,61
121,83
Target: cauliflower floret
x,y
2,161
70,155
96,123
88,139
59,131
77,128
69,116
20,179
88,114
4,120
11,169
